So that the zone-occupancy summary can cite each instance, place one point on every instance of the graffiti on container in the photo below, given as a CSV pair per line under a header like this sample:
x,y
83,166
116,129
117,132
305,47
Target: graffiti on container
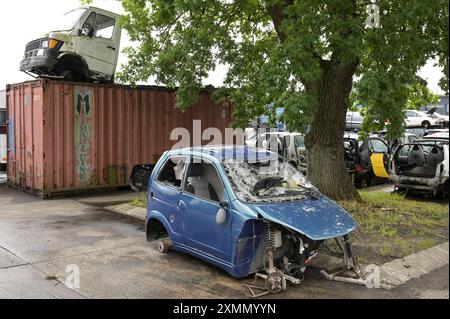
x,y
83,134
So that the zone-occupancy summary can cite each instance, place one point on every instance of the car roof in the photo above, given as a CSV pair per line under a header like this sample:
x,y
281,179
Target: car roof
x,y
282,133
437,135
224,152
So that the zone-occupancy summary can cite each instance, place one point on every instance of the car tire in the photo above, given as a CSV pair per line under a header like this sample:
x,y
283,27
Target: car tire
x,y
426,124
164,245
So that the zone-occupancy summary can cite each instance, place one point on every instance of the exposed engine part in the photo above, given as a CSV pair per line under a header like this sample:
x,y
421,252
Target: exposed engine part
x,y
336,277
282,259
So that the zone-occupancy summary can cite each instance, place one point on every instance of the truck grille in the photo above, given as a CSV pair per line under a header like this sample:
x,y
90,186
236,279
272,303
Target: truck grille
x,y
32,46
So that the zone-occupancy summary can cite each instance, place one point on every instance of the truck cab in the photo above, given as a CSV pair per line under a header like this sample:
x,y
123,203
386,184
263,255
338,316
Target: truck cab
x,y
85,47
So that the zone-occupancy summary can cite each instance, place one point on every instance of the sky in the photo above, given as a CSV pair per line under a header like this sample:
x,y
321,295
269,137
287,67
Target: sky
x,y
24,20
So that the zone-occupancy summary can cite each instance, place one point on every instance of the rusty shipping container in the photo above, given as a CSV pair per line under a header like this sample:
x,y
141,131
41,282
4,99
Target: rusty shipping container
x,y
70,137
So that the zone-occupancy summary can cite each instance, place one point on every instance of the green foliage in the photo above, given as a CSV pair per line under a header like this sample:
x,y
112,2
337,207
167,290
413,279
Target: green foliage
x,y
275,49
419,95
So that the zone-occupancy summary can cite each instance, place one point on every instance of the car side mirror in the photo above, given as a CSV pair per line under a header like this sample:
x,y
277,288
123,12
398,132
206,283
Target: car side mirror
x,y
224,204
91,32
80,32
221,216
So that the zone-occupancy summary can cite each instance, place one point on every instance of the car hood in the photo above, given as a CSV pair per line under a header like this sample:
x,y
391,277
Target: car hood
x,y
318,219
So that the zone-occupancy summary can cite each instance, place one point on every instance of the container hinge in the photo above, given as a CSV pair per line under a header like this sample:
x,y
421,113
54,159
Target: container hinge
x,y
43,122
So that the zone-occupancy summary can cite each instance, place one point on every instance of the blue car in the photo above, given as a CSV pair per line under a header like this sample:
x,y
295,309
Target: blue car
x,y
245,210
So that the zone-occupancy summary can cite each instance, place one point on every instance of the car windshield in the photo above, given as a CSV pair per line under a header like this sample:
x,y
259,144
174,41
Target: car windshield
x,y
68,21
267,181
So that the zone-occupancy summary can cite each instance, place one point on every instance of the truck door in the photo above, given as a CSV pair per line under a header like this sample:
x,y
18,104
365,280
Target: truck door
x,y
98,42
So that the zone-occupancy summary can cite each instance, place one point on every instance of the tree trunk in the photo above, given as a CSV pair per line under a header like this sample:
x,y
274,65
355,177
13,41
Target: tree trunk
x,y
325,141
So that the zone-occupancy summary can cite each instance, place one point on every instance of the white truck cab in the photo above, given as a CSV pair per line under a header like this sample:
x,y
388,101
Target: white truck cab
x,y
85,47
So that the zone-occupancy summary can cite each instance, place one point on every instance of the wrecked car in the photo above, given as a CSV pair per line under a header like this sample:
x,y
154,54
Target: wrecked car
x,y
422,165
84,46
245,210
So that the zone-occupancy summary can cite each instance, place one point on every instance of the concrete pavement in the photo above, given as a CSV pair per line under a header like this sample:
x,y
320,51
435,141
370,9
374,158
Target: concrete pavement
x,y
40,239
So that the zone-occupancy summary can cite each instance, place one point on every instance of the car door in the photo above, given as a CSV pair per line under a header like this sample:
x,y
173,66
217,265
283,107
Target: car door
x,y
199,210
98,42
374,154
164,193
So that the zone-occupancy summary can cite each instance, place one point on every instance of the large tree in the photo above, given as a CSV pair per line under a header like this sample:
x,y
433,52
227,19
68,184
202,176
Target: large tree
x,y
303,55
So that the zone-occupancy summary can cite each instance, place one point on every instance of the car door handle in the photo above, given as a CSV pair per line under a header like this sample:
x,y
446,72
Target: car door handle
x,y
111,47
182,205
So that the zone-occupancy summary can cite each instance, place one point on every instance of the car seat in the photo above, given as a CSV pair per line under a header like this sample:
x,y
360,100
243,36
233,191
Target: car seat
x,y
198,183
435,156
416,156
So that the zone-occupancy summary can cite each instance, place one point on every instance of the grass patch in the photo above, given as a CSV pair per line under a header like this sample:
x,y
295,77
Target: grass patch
x,y
392,226
142,203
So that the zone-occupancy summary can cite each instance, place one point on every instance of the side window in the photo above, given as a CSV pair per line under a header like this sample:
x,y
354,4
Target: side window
x,y
299,141
172,172
203,181
89,26
104,27
378,146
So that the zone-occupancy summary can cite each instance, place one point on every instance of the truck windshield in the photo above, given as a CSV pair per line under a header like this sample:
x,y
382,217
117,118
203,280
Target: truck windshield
x,y
268,181
68,21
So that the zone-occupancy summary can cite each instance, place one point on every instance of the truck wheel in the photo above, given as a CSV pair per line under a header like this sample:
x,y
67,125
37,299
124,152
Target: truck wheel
x,y
426,124
164,245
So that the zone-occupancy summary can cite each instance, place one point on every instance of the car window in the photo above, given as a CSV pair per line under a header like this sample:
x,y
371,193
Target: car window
x,y
104,27
172,172
299,141
203,180
378,146
88,26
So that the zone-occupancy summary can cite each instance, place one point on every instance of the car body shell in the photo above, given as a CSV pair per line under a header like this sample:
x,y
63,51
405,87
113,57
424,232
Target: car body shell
x,y
235,245
438,181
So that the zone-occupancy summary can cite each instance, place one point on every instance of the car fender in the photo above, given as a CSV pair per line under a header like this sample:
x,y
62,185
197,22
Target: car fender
x,y
156,215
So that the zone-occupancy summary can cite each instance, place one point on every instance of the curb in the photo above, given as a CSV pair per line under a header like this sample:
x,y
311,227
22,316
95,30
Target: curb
x,y
126,209
413,266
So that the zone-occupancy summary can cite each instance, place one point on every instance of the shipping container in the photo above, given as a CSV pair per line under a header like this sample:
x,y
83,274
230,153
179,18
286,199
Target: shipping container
x,y
67,137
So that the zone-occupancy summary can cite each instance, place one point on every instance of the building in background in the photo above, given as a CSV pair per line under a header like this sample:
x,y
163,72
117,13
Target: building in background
x,y
3,144
441,106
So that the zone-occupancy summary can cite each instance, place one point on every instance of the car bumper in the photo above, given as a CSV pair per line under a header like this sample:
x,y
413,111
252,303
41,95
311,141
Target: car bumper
x,y
37,63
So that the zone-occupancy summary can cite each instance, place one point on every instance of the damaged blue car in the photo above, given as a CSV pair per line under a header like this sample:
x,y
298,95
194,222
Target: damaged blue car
x,y
243,209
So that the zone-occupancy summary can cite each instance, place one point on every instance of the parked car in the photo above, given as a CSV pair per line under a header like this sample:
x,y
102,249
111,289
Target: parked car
x,y
289,145
432,112
243,209
84,47
353,120
422,165
415,118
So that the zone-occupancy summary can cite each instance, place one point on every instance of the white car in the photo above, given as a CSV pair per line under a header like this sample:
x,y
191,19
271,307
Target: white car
x,y
422,165
415,118
289,145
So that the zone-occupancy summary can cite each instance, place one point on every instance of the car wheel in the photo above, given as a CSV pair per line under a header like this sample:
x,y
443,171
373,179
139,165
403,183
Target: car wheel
x,y
426,124
164,245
